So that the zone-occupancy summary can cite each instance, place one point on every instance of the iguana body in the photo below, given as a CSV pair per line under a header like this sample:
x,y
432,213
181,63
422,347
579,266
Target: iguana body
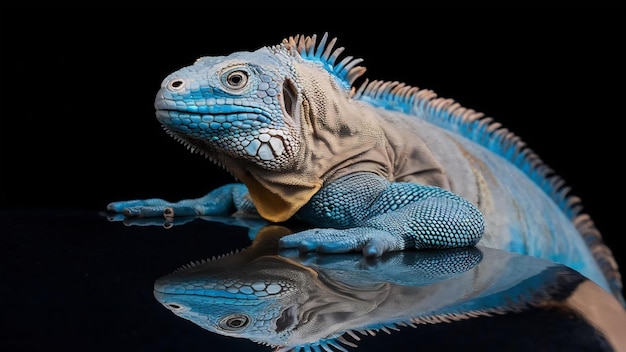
x,y
379,168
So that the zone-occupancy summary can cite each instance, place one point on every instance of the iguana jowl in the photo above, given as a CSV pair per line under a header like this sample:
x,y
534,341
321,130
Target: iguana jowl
x,y
380,167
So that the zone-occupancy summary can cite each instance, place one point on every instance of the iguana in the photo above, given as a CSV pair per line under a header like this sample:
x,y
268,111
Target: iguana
x,y
376,167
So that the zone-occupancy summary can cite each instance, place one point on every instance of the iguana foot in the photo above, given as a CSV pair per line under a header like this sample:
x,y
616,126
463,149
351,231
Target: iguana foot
x,y
151,208
147,210
223,200
370,241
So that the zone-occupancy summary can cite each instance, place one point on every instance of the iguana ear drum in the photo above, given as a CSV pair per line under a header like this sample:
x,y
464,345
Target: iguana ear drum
x,y
290,97
288,319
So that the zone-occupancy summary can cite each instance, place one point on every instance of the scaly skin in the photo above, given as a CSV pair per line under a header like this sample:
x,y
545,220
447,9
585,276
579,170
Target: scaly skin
x,y
380,168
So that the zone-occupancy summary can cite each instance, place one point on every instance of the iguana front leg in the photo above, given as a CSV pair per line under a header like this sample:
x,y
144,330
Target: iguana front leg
x,y
223,200
368,213
360,211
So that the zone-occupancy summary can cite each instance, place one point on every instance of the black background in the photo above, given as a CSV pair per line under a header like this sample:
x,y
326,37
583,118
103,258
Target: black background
x,y
78,126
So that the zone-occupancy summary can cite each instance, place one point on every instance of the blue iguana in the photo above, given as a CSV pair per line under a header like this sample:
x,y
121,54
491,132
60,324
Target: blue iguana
x,y
376,167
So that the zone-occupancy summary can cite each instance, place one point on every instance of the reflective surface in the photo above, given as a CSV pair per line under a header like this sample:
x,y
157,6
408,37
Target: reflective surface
x,y
78,280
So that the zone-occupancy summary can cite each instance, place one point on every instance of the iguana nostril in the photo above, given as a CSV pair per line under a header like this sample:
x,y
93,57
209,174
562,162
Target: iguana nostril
x,y
176,84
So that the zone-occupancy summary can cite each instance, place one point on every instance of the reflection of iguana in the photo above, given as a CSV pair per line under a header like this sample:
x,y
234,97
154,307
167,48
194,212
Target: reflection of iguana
x,y
381,167
320,302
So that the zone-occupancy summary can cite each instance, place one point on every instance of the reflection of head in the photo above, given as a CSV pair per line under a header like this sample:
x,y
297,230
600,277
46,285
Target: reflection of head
x,y
255,301
263,320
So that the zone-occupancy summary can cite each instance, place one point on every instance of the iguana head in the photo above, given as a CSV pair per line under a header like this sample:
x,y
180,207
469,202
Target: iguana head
x,y
242,106
259,299
268,117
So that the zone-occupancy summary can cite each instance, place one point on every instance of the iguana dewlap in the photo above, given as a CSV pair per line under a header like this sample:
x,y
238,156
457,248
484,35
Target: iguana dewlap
x,y
377,168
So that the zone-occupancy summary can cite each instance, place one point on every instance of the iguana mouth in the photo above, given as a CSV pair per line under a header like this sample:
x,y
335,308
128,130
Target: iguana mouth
x,y
209,119
195,130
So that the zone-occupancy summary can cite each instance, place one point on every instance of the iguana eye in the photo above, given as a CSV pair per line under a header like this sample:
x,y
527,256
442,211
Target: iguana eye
x,y
234,322
235,79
